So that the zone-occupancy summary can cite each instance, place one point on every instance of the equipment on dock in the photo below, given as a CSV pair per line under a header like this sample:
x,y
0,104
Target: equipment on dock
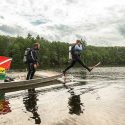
x,y
2,74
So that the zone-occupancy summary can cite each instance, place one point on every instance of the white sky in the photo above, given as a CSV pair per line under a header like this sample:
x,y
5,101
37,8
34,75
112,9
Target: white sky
x,y
101,22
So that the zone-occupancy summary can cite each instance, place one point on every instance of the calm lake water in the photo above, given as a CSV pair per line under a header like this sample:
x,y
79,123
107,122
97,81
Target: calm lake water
x,y
96,98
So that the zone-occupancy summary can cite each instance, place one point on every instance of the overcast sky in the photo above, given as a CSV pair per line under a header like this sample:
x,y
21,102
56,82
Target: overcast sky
x,y
100,22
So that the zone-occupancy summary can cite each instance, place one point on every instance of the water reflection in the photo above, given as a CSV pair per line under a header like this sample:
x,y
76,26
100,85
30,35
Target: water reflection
x,y
60,106
74,102
30,103
4,104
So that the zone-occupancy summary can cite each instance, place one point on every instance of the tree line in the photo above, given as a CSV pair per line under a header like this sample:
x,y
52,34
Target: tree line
x,y
55,54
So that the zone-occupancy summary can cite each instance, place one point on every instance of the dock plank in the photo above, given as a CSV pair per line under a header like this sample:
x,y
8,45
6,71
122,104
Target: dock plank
x,y
20,85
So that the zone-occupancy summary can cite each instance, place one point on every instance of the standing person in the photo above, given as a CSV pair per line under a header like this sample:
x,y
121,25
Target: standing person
x,y
32,60
75,53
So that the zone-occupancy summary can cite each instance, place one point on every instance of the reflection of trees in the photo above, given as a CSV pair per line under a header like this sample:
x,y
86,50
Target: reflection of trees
x,y
30,103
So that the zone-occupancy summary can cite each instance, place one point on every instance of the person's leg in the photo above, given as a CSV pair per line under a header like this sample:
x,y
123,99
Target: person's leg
x,y
30,75
29,72
84,65
70,66
33,70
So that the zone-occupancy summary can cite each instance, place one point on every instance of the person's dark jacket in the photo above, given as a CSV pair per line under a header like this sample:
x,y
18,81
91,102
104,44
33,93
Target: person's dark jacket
x,y
32,56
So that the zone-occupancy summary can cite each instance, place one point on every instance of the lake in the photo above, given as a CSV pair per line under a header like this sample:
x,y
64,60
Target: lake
x,y
96,98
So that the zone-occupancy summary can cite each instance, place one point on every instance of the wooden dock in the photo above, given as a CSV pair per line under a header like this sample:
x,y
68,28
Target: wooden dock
x,y
28,84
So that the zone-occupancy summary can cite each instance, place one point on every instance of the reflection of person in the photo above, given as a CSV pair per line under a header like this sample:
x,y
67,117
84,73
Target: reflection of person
x,y
32,60
75,105
75,53
30,103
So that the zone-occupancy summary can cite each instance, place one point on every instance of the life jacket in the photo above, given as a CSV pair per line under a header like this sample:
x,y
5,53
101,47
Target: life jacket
x,y
73,53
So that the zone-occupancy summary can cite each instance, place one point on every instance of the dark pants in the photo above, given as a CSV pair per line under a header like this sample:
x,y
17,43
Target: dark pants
x,y
31,71
74,60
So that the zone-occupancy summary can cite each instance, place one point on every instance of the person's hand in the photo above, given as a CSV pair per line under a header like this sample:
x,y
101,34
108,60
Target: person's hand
x,y
38,64
35,66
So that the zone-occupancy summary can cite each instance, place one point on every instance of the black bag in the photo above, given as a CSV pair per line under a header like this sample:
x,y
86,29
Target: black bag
x,y
73,50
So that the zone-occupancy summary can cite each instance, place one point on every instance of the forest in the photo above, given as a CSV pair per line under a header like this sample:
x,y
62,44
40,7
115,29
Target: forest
x,y
55,53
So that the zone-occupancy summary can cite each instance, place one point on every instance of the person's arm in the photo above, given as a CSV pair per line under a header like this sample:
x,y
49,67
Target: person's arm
x,y
34,56
78,47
